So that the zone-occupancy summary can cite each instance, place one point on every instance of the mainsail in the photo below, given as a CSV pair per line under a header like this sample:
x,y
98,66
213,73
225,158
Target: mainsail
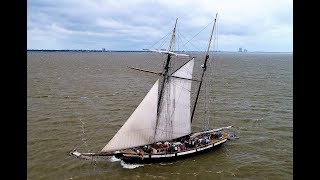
x,y
174,118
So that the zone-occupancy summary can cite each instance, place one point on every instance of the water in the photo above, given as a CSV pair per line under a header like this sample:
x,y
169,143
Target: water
x,y
81,99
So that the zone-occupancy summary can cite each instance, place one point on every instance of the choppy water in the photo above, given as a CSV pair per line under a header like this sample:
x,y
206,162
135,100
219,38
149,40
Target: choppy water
x,y
80,100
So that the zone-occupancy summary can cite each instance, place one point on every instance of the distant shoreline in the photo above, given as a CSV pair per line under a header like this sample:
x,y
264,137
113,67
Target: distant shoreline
x,y
63,50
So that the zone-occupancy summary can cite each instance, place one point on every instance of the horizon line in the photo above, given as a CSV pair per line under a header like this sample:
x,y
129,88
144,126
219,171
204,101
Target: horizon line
x,y
87,50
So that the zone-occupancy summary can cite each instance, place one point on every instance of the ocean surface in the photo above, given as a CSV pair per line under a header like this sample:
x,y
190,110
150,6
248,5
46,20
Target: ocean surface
x,y
81,99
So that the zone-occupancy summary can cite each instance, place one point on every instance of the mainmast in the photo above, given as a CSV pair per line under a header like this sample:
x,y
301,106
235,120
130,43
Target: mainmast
x,y
204,68
165,71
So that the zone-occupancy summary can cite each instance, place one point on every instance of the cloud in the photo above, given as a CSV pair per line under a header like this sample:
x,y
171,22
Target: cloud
x,y
134,25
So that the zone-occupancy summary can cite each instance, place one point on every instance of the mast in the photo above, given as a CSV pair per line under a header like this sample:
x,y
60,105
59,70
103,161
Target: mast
x,y
173,35
166,69
204,68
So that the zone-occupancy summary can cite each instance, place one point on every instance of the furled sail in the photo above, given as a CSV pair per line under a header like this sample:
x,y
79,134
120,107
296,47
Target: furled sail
x,y
175,116
139,128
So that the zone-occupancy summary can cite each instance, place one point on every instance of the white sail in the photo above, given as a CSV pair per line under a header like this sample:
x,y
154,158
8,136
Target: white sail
x,y
175,116
139,128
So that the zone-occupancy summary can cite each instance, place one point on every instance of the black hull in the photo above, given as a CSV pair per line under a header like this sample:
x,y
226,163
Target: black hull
x,y
140,160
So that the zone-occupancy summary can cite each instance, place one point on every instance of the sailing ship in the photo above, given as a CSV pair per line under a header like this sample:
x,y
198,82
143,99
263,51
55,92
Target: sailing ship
x,y
159,129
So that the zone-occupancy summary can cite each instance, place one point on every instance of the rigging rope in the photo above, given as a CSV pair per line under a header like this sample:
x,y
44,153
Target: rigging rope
x,y
161,39
212,74
196,47
206,119
84,140
84,136
198,33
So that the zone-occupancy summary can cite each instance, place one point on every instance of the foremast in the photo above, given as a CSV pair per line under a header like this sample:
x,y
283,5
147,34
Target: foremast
x,y
165,73
204,68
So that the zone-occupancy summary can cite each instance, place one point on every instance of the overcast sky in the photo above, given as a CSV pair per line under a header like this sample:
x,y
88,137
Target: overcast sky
x,y
255,25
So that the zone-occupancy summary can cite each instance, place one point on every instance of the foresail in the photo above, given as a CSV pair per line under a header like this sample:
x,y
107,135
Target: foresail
x,y
174,118
139,128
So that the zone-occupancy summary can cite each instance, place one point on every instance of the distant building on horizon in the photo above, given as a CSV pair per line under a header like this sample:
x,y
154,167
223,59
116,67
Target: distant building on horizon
x,y
103,49
240,49
245,50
